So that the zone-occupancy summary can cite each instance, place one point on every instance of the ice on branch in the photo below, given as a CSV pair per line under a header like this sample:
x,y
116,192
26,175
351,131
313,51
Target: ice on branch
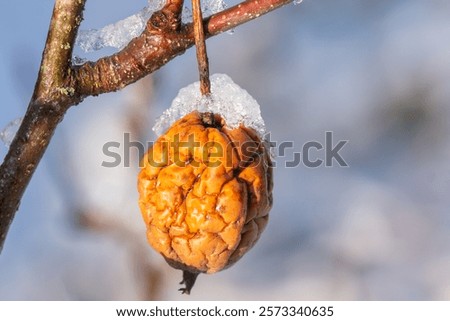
x,y
227,99
119,34
8,133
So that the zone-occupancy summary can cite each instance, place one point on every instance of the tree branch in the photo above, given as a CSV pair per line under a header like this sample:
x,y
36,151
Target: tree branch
x,y
61,85
56,59
158,44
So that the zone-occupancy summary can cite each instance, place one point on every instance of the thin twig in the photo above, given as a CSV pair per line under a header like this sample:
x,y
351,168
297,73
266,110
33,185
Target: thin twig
x,y
202,56
155,47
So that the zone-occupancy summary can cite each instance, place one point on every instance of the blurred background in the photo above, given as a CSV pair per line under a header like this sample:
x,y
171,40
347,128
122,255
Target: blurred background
x,y
375,73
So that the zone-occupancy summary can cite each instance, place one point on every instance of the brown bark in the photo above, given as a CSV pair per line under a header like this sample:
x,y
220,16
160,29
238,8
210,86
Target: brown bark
x,y
60,85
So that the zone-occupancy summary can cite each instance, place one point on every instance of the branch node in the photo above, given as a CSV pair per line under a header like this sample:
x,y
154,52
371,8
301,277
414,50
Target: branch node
x,y
160,21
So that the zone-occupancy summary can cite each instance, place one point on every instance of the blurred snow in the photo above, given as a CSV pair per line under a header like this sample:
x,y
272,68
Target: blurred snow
x,y
233,103
374,73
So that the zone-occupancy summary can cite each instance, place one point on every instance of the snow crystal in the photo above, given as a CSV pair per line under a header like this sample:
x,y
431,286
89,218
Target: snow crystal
x,y
8,133
118,34
227,99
